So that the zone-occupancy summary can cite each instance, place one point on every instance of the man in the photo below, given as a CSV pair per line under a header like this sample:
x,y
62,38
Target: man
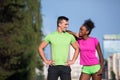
x,y
60,40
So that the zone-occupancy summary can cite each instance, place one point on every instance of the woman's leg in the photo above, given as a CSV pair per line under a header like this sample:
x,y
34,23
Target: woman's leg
x,y
96,76
95,73
84,76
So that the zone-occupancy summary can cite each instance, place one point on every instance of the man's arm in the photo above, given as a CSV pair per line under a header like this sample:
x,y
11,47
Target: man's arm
x,y
41,53
76,48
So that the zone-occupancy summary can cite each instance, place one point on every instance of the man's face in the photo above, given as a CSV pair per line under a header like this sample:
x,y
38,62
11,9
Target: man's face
x,y
63,25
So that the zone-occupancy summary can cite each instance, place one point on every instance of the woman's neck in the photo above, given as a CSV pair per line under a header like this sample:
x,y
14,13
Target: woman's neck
x,y
86,37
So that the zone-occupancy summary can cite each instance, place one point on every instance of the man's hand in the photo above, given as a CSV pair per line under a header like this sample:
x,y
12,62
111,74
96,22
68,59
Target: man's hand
x,y
49,62
69,62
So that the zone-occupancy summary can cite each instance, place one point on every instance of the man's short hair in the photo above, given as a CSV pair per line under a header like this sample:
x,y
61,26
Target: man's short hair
x,y
60,18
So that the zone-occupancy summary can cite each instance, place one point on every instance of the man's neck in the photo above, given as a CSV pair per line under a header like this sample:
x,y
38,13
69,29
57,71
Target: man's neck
x,y
59,30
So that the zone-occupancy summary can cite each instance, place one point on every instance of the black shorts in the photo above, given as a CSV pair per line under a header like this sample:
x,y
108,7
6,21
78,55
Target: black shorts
x,y
64,72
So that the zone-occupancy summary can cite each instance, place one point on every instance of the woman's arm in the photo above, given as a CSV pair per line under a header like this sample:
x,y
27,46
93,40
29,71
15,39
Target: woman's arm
x,y
76,35
101,59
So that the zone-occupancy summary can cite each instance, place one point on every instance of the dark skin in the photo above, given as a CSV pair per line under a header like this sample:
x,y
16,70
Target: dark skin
x,y
84,33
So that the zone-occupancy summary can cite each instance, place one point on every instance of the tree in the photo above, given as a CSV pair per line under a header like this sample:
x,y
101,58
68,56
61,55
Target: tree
x,y
20,35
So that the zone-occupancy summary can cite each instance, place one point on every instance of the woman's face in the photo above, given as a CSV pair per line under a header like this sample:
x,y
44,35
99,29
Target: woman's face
x,y
83,31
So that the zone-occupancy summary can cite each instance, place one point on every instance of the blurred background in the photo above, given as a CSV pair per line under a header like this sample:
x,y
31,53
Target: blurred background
x,y
24,23
106,17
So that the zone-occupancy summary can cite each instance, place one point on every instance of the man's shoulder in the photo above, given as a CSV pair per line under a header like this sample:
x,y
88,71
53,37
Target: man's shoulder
x,y
52,33
69,34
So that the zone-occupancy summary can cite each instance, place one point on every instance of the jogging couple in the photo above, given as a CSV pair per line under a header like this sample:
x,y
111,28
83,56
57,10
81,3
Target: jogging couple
x,y
83,44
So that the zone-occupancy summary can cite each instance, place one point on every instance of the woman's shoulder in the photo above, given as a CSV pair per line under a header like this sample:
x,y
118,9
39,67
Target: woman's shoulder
x,y
92,37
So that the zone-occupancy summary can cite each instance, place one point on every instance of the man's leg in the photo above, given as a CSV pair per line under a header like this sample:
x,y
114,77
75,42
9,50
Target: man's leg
x,y
53,73
65,73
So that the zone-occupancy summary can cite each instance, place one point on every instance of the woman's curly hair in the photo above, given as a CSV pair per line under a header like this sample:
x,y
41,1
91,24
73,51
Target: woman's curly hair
x,y
89,25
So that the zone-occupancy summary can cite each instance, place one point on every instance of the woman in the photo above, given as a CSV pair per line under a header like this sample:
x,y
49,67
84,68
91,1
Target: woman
x,y
92,66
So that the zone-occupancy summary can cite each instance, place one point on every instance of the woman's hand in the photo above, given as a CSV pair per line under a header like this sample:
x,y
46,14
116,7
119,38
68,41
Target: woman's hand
x,y
99,73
